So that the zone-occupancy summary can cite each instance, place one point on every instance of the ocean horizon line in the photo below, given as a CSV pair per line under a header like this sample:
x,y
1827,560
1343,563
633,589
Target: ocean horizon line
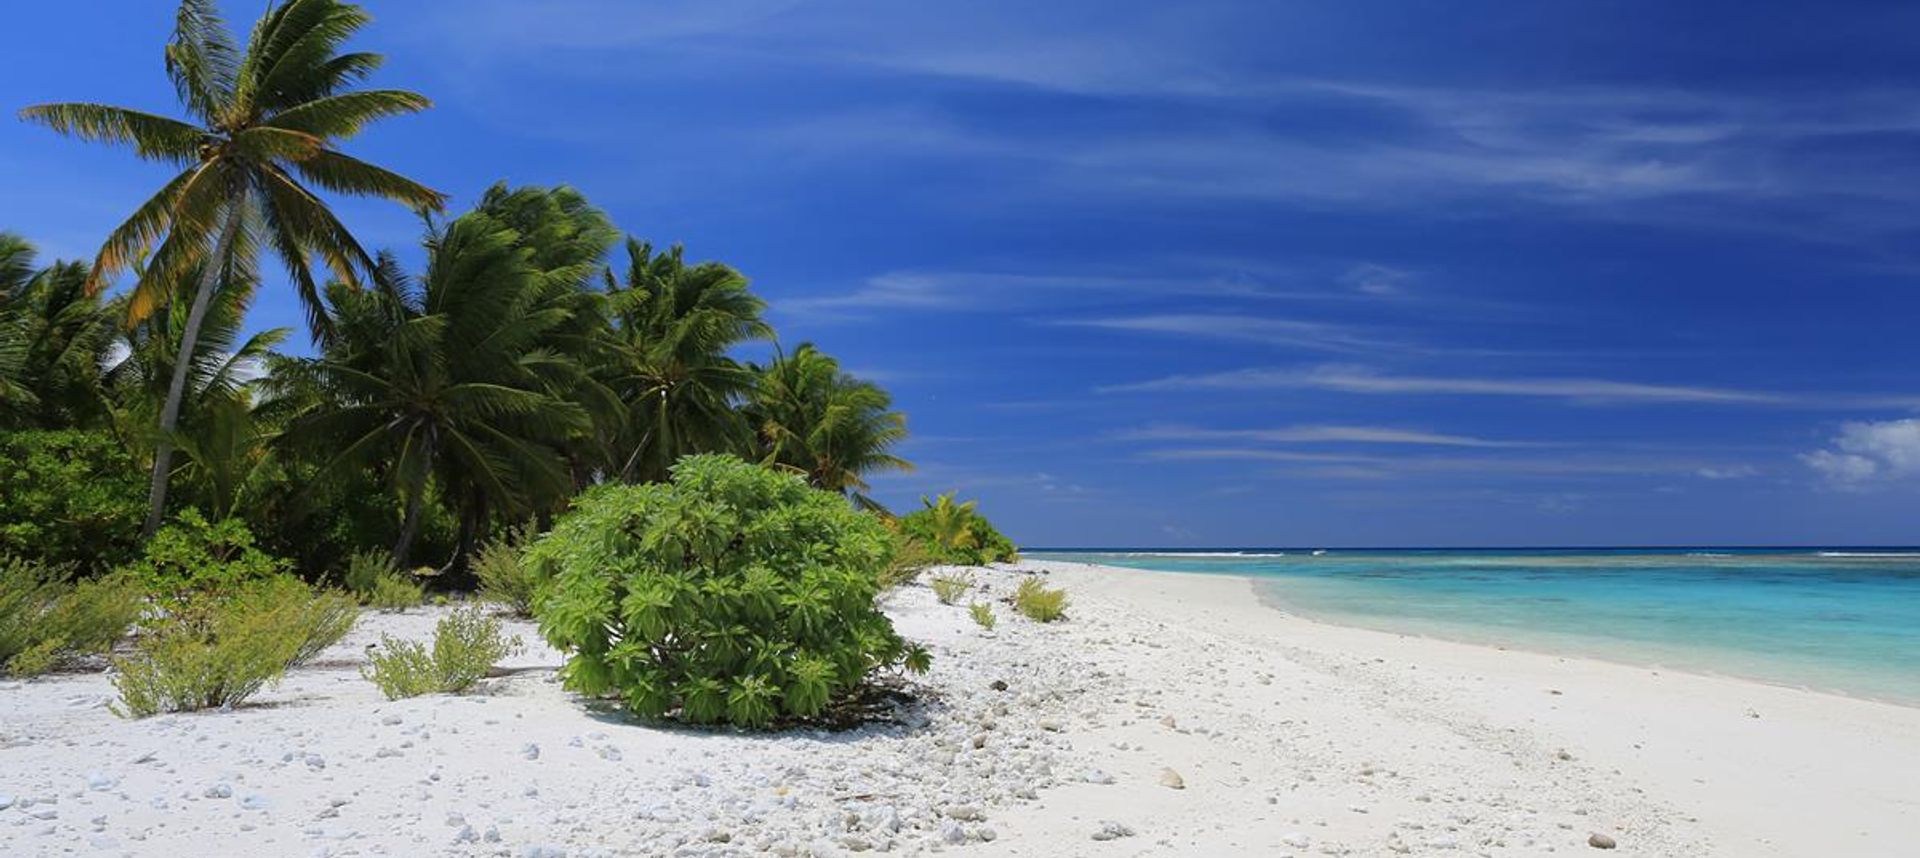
x,y
1246,549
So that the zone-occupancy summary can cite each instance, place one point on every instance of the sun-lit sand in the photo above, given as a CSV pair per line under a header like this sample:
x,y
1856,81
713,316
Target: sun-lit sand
x,y
1168,715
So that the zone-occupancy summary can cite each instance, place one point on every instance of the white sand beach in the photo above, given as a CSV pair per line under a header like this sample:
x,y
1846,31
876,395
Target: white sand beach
x,y
1284,737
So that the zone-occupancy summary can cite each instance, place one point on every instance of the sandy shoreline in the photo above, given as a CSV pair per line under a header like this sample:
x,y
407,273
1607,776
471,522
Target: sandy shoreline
x,y
1288,737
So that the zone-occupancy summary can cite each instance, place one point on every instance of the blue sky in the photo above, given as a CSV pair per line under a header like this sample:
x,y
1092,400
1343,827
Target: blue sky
x,y
1218,273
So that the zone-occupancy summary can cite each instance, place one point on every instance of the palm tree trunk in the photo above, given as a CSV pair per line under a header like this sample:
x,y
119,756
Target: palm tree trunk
x,y
410,525
183,365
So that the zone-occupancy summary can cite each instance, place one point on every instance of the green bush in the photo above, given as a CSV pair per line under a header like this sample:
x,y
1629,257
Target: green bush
x,y
957,533
982,613
504,575
1039,603
221,650
371,578
466,645
733,593
70,497
192,559
910,557
949,587
47,621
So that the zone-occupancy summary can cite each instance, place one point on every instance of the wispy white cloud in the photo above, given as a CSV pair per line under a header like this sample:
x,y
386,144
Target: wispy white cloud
x,y
1317,336
1361,380
1453,467
1319,435
998,291
1727,472
1866,453
1375,279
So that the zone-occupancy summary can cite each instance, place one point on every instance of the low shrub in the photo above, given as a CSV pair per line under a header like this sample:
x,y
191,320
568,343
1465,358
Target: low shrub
x,y
982,614
192,560
218,653
948,588
372,579
910,557
505,577
395,591
47,620
466,645
70,498
733,593
957,533
1038,602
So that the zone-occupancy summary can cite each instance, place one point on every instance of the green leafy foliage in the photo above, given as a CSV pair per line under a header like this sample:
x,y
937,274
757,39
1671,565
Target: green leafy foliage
x,y
948,588
1038,602
506,579
466,644
218,653
910,558
982,614
47,620
69,497
814,419
733,593
957,533
371,578
395,592
193,559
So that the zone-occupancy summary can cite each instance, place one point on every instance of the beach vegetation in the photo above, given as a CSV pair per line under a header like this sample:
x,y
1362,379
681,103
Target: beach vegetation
x,y
466,645
732,593
373,580
950,586
982,614
813,419
69,497
193,558
263,122
438,408
1038,602
955,532
909,559
221,649
48,620
505,578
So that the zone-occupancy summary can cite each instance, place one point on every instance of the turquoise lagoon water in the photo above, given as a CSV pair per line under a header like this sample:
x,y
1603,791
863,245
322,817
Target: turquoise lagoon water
x,y
1844,620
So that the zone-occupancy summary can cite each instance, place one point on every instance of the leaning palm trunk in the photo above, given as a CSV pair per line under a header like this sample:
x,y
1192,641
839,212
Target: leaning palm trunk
x,y
410,524
183,365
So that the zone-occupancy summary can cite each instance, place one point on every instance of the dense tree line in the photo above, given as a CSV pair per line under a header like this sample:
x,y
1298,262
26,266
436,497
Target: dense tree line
x,y
527,359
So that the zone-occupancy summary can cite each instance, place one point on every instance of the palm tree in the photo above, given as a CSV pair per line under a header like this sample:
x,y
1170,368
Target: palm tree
x,y
216,430
54,337
813,419
668,360
264,124
444,383
951,524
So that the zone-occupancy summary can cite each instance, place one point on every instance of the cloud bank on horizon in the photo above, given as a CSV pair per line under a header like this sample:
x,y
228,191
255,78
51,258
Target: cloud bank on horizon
x,y
1228,273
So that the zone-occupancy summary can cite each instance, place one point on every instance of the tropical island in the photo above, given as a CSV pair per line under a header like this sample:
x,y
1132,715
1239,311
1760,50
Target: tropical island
x,y
521,555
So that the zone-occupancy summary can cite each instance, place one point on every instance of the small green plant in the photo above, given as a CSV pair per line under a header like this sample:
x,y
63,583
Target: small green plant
x,y
734,593
910,557
1038,602
948,588
466,645
193,559
47,621
395,592
982,614
218,653
373,580
957,533
505,578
